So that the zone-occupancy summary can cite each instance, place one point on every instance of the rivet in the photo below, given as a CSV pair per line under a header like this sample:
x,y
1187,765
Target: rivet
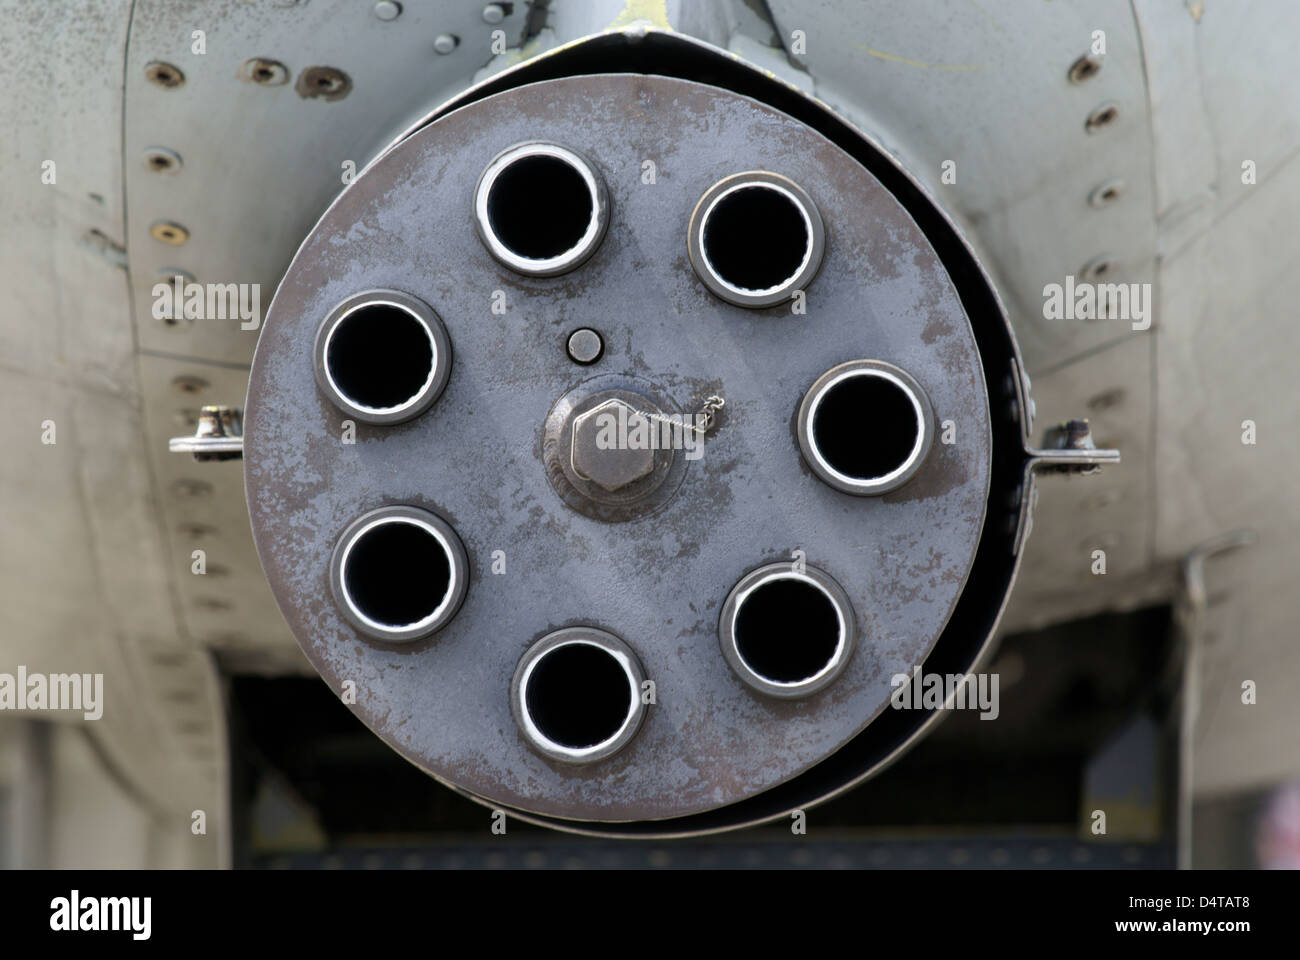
x,y
189,385
493,13
164,74
1085,68
324,83
168,276
189,489
168,232
387,10
1106,399
264,72
1102,116
162,160
585,345
195,531
1105,194
1098,268
445,43
171,273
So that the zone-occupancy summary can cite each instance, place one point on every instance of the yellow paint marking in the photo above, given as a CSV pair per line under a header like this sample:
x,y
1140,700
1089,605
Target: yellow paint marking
x,y
881,55
654,12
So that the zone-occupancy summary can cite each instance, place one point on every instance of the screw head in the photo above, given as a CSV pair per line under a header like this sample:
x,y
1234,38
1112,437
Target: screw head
x,y
585,345
594,458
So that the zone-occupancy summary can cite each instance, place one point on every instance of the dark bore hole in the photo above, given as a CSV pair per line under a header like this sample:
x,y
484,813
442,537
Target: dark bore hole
x,y
397,573
379,356
787,630
865,427
755,238
539,207
578,695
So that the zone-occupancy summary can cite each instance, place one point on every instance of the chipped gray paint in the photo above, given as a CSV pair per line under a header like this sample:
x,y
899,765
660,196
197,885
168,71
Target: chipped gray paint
x,y
659,581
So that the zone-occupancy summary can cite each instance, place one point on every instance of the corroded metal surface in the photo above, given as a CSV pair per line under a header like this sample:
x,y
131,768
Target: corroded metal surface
x,y
657,581
565,459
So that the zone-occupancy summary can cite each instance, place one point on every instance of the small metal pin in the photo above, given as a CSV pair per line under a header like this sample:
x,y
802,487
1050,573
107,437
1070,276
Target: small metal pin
x,y
585,345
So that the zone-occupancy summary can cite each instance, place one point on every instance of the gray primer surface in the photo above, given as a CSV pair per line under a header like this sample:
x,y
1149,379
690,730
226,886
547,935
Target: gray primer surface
x,y
657,582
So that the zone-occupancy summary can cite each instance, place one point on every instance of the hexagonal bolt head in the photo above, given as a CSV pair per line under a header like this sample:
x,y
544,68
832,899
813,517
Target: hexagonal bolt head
x,y
596,454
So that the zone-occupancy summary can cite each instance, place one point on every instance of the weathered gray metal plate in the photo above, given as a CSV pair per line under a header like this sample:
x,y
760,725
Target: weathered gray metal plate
x,y
1012,124
659,581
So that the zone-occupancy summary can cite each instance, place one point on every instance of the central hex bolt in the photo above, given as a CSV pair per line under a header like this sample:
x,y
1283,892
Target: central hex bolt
x,y
601,451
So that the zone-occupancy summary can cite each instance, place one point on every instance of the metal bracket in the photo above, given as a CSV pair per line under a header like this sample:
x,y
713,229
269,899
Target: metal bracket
x,y
219,435
1068,448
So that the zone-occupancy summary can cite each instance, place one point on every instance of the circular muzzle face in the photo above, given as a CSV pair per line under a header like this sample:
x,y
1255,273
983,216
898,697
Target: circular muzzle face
x,y
541,209
787,630
573,660
577,695
755,239
399,573
382,357
865,427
